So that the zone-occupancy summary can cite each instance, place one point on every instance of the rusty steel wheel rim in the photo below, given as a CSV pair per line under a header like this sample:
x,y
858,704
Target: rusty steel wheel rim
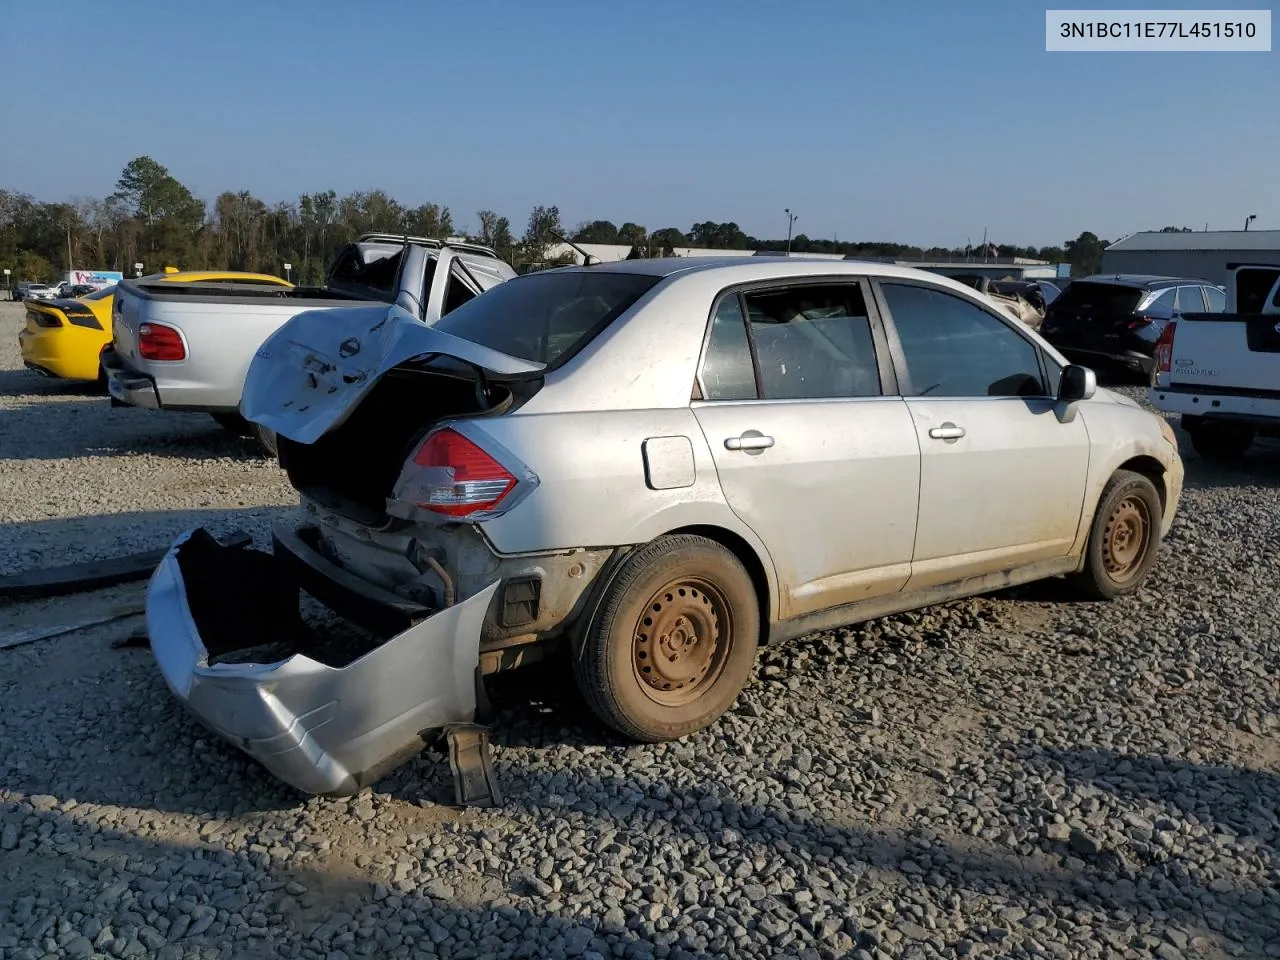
x,y
681,641
1126,538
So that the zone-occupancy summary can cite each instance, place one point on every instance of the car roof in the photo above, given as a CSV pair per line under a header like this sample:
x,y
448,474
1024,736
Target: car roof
x,y
741,269
1150,281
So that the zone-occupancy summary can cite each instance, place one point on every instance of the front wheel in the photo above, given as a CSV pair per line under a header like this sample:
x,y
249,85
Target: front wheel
x,y
673,642
1124,539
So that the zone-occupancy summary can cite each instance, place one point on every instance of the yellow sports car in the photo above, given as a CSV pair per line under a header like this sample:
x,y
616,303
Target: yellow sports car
x,y
64,338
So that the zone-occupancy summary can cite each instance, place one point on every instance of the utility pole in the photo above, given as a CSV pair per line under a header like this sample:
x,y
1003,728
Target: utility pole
x,y
791,221
984,244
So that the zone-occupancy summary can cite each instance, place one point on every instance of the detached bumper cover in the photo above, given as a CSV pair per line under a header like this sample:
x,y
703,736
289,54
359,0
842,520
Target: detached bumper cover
x,y
319,728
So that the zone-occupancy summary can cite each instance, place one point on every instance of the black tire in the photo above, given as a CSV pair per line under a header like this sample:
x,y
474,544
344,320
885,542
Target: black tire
x,y
232,423
1124,539
699,592
266,440
1222,442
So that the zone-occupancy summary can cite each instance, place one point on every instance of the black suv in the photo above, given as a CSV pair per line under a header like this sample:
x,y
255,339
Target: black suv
x,y
1117,319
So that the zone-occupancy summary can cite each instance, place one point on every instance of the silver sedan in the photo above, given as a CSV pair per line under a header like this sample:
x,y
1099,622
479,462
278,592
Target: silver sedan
x,y
654,467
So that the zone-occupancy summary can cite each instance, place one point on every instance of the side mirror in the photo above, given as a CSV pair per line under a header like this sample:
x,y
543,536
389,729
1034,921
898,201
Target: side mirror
x,y
1077,383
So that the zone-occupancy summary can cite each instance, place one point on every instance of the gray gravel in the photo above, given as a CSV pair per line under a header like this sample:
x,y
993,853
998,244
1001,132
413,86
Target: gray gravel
x,y
1019,776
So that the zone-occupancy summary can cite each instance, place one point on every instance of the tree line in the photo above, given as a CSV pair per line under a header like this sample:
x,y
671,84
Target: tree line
x,y
153,218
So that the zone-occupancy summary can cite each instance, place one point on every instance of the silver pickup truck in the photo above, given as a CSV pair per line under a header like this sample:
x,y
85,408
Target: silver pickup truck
x,y
189,347
1221,371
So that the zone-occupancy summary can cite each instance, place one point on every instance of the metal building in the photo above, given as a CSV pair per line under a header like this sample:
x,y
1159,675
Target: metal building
x,y
1207,255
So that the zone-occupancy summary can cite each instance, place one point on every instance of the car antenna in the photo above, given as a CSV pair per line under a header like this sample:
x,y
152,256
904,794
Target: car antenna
x,y
588,259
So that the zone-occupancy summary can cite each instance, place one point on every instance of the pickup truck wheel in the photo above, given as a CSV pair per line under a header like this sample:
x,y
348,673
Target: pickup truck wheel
x,y
673,642
1221,442
1124,539
266,440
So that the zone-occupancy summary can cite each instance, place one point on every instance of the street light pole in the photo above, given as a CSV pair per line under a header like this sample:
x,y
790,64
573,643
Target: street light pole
x,y
791,220
1249,219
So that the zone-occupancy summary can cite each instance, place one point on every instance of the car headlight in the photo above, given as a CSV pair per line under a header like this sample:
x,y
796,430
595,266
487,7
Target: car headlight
x,y
1166,431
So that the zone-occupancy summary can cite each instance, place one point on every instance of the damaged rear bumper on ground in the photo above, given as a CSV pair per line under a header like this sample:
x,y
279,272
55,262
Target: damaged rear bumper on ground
x,y
325,721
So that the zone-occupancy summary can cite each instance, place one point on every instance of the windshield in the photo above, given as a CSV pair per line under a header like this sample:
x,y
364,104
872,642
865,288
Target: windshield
x,y
546,317
1110,297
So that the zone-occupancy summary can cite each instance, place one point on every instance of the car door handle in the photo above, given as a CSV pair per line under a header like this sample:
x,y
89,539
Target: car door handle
x,y
948,431
748,441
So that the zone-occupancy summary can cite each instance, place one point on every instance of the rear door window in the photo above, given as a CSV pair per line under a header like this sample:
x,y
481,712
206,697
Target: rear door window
x,y
1217,299
1190,300
813,342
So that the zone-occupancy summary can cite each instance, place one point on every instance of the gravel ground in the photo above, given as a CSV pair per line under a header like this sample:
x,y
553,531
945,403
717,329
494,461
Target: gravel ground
x,y
1018,776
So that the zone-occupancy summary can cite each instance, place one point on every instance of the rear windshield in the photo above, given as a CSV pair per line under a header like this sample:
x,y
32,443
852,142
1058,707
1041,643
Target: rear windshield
x,y
1111,297
367,271
546,317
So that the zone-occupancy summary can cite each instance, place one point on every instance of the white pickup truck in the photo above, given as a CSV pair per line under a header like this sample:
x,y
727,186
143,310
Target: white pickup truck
x,y
188,346
1221,371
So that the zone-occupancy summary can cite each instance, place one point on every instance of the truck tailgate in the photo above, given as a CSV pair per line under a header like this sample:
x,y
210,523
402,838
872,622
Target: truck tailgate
x,y
1226,351
124,325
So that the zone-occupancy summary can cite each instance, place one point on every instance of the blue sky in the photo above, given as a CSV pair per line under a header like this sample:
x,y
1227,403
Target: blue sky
x,y
899,120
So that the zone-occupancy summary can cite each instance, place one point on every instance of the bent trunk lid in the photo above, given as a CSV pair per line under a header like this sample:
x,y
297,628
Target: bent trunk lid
x,y
309,375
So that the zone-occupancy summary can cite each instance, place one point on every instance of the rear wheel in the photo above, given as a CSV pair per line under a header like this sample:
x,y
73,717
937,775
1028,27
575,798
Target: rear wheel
x,y
232,423
266,440
673,642
1124,539
1221,442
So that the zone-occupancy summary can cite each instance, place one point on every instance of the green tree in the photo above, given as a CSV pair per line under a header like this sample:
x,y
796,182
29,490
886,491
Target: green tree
x,y
429,220
1084,253
666,240
169,215
721,236
633,234
543,222
29,265
597,231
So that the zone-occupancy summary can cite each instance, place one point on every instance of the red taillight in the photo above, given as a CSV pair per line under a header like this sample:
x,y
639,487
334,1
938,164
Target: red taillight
x,y
158,342
1137,322
454,476
1164,348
